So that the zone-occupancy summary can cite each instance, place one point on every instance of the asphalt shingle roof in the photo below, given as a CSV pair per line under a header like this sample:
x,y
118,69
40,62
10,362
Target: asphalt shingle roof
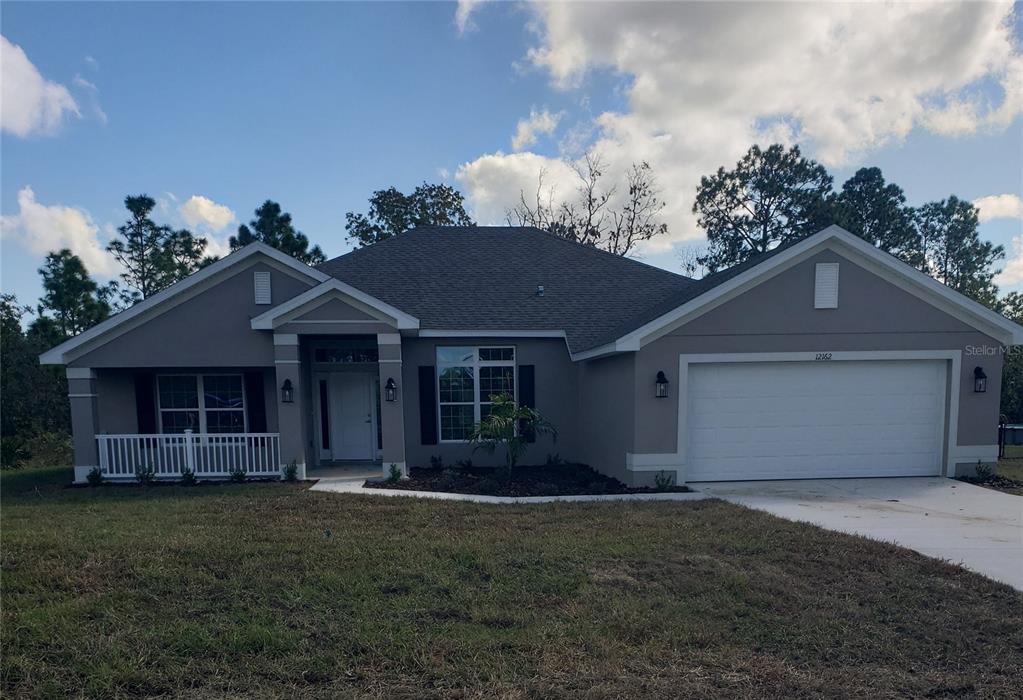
x,y
486,277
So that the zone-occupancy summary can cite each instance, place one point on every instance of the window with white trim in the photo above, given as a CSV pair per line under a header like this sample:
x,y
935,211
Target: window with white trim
x,y
466,379
202,403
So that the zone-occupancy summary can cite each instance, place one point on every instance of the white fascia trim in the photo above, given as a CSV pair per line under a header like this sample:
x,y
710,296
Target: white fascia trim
x,y
912,281
599,351
267,321
58,355
435,333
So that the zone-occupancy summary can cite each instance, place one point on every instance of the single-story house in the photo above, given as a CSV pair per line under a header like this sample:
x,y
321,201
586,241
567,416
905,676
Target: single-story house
x,y
825,358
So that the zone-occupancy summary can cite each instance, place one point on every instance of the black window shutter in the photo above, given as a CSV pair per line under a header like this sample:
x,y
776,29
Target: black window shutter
x,y
527,393
427,405
145,402
255,402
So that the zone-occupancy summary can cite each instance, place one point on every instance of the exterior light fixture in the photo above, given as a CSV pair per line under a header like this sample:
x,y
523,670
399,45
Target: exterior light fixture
x,y
390,390
661,386
287,392
979,381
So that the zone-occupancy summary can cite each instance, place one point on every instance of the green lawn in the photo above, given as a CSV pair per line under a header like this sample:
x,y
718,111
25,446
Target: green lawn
x,y
1011,466
272,590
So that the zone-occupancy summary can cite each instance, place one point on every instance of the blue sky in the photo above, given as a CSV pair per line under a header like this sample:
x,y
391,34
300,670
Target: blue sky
x,y
317,105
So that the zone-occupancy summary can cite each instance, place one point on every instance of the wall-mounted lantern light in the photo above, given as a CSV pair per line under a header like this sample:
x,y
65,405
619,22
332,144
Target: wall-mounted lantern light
x,y
390,390
287,392
979,381
661,386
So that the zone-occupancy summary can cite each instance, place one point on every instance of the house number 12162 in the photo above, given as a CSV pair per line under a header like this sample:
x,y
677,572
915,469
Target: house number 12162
x,y
823,356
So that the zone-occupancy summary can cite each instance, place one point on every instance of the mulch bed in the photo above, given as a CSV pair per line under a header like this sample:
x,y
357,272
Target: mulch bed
x,y
996,482
553,480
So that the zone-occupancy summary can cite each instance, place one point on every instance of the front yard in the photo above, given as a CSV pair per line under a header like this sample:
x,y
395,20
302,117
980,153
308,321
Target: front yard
x,y
272,590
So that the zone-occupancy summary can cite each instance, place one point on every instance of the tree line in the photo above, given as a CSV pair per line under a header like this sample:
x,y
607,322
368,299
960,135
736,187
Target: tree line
x,y
773,196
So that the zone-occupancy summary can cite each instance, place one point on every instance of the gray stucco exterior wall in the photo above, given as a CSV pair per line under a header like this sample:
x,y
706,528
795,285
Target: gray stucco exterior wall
x,y
779,316
607,413
211,328
556,389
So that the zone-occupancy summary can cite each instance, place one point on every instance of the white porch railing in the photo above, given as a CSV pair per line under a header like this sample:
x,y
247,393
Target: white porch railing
x,y
207,455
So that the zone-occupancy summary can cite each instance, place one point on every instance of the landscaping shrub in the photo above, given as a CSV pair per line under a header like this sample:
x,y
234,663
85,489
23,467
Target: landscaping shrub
x,y
188,477
94,477
238,475
13,452
664,480
145,475
394,474
291,471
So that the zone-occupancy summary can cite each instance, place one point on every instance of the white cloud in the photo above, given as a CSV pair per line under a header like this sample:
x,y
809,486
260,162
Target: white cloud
x,y
999,206
494,181
40,228
199,211
31,104
463,15
1012,274
529,128
93,92
706,80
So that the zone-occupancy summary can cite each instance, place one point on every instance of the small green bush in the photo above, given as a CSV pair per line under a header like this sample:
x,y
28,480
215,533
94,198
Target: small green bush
x,y
436,462
664,480
188,477
464,463
983,471
145,475
291,471
94,477
394,474
238,475
555,460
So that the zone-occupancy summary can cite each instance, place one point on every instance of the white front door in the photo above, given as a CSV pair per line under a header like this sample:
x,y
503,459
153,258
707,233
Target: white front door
x,y
815,420
345,416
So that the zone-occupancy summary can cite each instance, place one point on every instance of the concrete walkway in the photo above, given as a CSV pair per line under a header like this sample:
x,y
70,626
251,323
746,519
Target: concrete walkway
x,y
976,527
354,486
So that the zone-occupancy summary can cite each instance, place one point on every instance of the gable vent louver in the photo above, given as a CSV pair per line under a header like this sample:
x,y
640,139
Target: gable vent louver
x,y
825,293
261,281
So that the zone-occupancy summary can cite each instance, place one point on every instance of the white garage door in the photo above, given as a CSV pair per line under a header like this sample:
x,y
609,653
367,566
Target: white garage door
x,y
814,420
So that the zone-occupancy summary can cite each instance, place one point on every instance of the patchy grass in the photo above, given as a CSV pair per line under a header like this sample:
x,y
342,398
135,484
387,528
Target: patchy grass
x,y
271,590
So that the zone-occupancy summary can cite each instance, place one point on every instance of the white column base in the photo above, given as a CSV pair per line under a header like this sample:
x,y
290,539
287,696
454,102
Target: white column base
x,y
82,474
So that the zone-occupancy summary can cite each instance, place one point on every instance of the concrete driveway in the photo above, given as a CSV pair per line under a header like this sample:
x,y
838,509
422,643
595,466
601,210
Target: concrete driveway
x,y
976,527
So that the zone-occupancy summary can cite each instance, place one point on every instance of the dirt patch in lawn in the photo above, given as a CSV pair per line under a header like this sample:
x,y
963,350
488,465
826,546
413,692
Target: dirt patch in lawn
x,y
554,480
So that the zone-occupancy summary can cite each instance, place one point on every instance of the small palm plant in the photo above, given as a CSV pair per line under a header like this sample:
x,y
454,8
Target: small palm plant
x,y
507,425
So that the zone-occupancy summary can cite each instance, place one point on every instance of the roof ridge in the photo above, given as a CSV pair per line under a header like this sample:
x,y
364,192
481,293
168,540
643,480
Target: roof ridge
x,y
601,252
586,248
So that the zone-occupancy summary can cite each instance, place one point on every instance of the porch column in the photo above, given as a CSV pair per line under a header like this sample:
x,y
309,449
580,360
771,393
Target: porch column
x,y
81,383
290,416
392,414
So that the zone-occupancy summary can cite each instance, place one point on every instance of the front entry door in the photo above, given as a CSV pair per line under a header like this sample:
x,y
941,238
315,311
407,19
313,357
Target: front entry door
x,y
349,416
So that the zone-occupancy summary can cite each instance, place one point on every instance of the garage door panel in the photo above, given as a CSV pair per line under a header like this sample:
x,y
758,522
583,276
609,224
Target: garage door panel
x,y
814,420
